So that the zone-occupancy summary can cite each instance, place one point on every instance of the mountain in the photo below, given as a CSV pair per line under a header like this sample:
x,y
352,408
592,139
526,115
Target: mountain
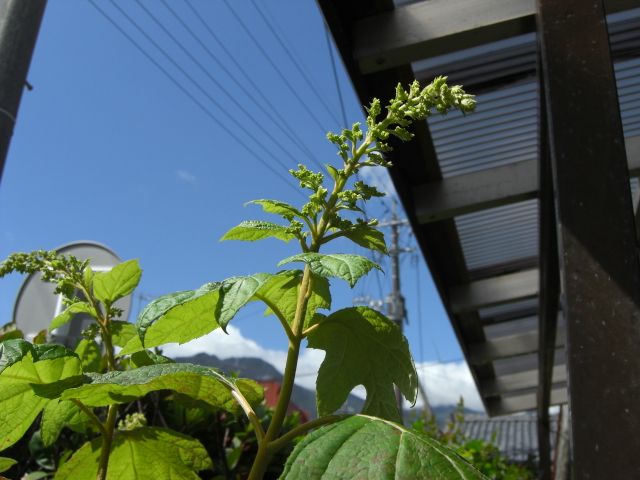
x,y
258,369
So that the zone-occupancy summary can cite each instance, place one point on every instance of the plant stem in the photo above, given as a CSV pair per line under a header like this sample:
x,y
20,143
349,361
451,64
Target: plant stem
x,y
107,440
301,430
90,414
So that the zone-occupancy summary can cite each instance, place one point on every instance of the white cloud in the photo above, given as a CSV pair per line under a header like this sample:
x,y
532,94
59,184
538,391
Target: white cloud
x,y
444,382
379,178
186,176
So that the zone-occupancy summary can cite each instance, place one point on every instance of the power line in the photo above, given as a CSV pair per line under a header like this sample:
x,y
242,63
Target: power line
x,y
204,109
295,62
197,84
270,112
275,67
216,82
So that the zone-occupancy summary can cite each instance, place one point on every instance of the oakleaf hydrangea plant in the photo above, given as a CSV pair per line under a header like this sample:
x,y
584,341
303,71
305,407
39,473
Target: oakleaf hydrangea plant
x,y
84,389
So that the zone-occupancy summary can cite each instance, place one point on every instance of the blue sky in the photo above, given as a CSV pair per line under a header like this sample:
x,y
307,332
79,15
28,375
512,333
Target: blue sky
x,y
107,148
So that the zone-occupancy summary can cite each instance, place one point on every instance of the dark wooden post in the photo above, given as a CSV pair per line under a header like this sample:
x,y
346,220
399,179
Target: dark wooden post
x,y
19,25
598,258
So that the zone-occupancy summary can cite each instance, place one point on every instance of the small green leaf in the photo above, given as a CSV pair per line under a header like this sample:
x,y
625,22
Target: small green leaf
x,y
58,414
368,447
175,456
178,317
23,367
195,381
147,357
10,331
279,208
344,266
236,292
368,237
280,294
363,348
69,312
118,282
6,463
87,277
253,230
90,355
122,332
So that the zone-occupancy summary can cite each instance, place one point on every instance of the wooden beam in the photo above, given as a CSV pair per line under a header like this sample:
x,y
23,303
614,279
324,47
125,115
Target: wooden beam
x,y
506,405
508,346
598,246
435,27
454,196
514,382
494,291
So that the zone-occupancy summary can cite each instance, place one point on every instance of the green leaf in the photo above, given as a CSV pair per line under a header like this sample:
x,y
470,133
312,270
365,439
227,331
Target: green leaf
x,y
280,294
253,230
142,454
340,265
118,282
147,357
195,381
236,292
90,355
58,414
10,331
122,332
24,367
6,463
368,237
279,208
69,312
363,348
368,447
177,317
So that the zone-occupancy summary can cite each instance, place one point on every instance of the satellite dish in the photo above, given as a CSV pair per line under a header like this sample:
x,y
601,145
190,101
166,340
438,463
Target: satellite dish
x,y
36,304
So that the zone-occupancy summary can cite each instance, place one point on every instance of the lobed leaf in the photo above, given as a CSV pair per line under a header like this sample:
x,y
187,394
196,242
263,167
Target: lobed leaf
x,y
118,282
280,294
341,265
146,453
363,447
69,312
236,292
195,381
363,348
58,414
25,367
6,463
368,237
253,230
279,208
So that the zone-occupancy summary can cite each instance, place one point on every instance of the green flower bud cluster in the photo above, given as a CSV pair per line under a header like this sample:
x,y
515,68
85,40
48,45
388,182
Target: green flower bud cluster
x,y
132,421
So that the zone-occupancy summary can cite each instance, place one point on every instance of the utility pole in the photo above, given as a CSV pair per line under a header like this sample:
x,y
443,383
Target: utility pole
x,y
394,302
19,25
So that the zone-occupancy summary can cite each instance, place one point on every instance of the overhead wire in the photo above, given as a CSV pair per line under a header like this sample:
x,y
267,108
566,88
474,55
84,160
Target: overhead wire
x,y
294,60
194,99
271,112
222,88
196,83
275,67
276,111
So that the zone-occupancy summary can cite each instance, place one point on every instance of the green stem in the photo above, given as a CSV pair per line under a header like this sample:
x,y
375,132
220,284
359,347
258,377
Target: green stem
x,y
107,441
91,415
301,430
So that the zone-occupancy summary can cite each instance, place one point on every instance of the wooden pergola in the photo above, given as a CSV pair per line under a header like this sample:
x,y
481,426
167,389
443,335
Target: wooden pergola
x,y
524,210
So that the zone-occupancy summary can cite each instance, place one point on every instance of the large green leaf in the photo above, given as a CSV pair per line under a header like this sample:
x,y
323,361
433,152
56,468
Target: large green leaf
x,y
69,312
177,317
341,265
363,447
363,348
253,230
237,292
118,282
195,381
279,208
280,293
6,463
58,414
368,237
141,454
24,367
